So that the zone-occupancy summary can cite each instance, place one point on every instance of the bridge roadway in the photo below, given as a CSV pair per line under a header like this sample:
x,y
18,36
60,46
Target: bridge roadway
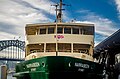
x,y
12,59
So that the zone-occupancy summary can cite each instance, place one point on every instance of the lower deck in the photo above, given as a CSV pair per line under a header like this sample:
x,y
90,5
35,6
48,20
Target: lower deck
x,y
69,54
58,67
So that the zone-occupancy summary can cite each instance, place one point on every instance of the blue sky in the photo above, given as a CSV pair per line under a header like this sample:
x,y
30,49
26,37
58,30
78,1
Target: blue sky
x,y
15,14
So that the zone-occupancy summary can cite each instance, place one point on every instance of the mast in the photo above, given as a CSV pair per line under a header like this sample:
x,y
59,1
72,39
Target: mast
x,y
59,11
58,19
59,16
56,32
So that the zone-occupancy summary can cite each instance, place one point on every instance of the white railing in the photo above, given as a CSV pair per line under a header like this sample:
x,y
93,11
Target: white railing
x,y
69,54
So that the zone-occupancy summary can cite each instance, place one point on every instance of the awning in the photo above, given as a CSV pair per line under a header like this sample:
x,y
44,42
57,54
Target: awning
x,y
111,44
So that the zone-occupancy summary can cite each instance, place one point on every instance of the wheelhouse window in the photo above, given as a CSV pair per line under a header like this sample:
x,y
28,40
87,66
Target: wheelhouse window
x,y
75,30
89,31
64,47
50,47
60,30
51,30
67,30
42,30
85,30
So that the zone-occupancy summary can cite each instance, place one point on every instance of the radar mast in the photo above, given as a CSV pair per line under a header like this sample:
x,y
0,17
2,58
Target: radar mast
x,y
59,15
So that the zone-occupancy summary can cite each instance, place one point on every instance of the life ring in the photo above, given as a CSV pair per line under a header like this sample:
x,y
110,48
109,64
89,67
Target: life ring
x,y
83,56
33,56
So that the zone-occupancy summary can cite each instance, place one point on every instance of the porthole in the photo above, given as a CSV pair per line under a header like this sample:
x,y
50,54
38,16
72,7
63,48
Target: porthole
x,y
43,64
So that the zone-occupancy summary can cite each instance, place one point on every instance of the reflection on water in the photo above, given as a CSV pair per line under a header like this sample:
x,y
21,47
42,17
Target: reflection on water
x,y
9,76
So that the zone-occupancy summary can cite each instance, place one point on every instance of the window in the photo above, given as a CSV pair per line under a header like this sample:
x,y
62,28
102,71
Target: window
x,y
59,30
87,30
51,30
36,48
67,30
75,30
43,31
50,47
64,47
81,48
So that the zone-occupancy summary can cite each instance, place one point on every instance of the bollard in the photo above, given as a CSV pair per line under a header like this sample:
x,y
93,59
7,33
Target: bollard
x,y
3,72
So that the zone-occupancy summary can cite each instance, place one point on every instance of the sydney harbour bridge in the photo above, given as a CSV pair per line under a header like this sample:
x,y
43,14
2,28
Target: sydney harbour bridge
x,y
12,50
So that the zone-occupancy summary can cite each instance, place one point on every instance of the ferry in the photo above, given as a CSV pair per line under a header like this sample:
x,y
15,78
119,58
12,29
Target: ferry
x,y
59,50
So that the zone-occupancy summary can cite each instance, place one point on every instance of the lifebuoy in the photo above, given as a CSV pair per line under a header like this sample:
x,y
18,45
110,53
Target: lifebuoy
x,y
33,56
83,56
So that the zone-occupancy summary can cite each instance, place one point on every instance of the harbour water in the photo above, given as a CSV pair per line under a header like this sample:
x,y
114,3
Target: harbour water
x,y
9,76
11,67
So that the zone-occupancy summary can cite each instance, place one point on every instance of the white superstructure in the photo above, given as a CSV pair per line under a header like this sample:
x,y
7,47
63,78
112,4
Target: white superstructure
x,y
73,39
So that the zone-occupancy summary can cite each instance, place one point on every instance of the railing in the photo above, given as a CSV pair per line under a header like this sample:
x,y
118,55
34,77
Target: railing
x,y
69,54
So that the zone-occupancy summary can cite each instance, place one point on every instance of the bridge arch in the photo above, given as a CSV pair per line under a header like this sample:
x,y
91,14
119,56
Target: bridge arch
x,y
12,50
8,43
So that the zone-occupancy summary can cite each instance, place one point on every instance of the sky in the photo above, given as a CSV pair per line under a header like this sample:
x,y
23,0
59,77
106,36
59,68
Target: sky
x,y
15,14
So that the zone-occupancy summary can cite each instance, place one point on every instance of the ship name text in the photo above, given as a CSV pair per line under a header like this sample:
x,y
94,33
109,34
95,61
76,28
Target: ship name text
x,y
82,65
33,65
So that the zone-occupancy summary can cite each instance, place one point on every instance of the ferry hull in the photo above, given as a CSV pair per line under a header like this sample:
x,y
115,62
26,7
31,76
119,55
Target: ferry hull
x,y
58,67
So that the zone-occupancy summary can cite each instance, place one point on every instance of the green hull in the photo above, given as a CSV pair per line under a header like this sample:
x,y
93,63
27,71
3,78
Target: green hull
x,y
58,67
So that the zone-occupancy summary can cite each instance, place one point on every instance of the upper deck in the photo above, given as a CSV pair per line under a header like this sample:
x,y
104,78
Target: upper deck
x,y
73,39
66,33
31,29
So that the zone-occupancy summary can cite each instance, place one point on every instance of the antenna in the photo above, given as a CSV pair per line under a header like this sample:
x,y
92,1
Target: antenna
x,y
59,16
59,11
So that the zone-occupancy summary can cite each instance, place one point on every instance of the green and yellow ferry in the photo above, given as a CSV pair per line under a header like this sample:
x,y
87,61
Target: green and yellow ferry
x,y
59,51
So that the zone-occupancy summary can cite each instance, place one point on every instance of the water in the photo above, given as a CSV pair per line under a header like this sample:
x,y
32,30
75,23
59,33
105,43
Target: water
x,y
10,65
9,76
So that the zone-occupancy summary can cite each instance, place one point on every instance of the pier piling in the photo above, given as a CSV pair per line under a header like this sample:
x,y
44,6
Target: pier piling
x,y
3,72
